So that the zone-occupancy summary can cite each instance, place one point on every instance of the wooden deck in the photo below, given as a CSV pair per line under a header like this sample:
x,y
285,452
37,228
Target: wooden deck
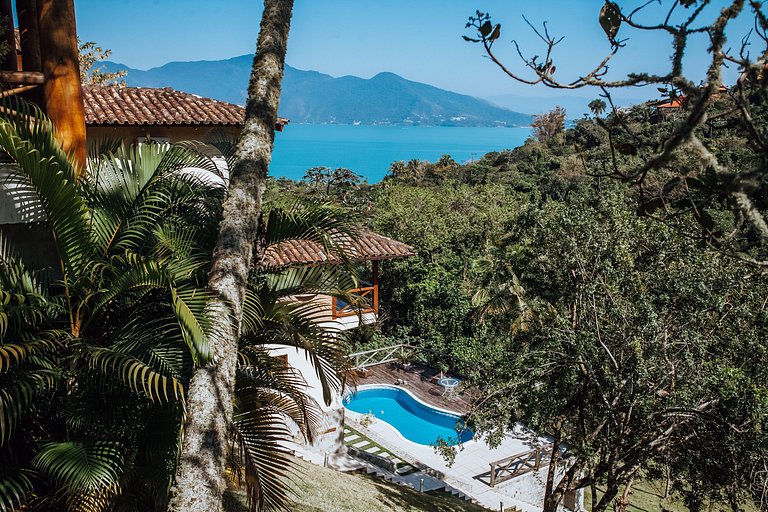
x,y
422,382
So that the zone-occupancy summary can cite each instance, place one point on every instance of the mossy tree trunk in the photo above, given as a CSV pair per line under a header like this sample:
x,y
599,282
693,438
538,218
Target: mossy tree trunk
x,y
200,478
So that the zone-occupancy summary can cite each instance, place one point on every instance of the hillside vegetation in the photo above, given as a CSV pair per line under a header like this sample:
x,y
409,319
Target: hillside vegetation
x,y
598,313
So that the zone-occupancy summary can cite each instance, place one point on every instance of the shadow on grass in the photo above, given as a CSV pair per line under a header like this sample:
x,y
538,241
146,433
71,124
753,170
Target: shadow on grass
x,y
399,497
322,490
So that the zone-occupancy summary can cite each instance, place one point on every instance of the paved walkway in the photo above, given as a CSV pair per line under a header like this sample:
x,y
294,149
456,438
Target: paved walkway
x,y
472,460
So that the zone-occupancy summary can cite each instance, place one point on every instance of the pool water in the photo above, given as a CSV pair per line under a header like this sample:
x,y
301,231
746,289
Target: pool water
x,y
414,420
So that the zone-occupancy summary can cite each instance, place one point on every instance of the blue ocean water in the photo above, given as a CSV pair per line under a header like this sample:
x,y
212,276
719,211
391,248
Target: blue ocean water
x,y
368,150
415,421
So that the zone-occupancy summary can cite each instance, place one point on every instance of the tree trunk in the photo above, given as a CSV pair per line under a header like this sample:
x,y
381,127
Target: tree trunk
x,y
62,90
623,501
551,502
200,478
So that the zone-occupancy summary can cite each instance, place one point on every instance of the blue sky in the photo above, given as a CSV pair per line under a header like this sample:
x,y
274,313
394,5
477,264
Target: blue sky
x,y
418,39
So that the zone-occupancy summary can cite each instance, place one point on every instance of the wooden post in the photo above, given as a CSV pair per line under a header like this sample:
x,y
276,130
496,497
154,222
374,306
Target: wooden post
x,y
375,279
26,11
493,475
538,458
333,307
10,62
62,91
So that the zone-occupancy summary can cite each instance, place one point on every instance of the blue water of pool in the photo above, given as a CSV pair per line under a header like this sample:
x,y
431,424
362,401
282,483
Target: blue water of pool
x,y
416,421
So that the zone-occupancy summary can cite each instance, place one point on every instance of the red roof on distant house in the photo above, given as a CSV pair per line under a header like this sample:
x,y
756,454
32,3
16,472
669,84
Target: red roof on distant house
x,y
114,105
366,246
674,103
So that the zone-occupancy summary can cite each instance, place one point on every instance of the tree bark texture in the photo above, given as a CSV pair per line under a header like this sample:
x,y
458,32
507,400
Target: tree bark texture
x,y
551,501
62,89
29,35
200,478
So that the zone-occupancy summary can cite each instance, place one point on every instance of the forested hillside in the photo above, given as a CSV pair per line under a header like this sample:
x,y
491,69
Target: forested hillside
x,y
589,309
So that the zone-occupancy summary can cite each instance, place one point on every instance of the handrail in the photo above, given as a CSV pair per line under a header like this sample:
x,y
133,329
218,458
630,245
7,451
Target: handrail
x,y
361,360
518,464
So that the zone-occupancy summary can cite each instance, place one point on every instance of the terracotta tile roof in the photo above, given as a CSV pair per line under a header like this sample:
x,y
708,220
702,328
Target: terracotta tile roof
x,y
367,246
126,106
674,103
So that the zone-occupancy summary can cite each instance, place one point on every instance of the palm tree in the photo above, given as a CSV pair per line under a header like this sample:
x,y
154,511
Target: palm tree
x,y
200,481
94,363
270,396
498,293
96,351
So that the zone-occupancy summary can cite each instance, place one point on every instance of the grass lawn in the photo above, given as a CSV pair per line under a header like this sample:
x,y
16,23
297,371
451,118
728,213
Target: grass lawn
x,y
648,496
324,490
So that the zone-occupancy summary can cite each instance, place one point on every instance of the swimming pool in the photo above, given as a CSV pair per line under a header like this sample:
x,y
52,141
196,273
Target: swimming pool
x,y
416,421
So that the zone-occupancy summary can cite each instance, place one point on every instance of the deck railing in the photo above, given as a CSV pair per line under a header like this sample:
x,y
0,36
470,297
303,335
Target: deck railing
x,y
401,352
366,300
518,464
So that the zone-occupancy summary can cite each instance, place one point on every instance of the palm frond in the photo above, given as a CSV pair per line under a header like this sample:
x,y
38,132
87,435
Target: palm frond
x,y
135,375
324,225
28,138
299,325
136,189
16,395
225,144
187,302
85,469
14,487
157,341
13,354
268,396
327,280
260,437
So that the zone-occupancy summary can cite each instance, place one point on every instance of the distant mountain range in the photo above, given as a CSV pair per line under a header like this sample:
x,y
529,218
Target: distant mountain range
x,y
312,97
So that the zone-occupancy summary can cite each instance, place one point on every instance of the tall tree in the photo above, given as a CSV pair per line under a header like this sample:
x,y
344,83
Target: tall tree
x,y
715,176
200,481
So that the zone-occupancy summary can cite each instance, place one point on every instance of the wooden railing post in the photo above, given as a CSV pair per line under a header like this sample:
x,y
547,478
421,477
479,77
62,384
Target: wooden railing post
x,y
375,279
29,35
62,90
333,307
493,475
538,458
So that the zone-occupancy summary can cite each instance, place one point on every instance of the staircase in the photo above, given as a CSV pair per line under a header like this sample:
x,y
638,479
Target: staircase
x,y
420,481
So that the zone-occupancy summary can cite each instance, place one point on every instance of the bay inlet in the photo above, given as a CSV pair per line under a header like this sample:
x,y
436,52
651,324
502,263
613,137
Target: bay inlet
x,y
369,150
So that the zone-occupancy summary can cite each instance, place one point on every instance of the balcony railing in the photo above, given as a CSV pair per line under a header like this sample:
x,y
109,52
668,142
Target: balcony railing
x,y
366,301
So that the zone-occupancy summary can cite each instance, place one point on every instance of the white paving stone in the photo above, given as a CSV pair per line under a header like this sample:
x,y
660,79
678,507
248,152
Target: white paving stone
x,y
351,438
524,492
361,443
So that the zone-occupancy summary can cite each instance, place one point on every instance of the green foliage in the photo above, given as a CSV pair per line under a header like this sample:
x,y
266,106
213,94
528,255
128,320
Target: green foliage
x,y
653,339
638,350
84,374
95,354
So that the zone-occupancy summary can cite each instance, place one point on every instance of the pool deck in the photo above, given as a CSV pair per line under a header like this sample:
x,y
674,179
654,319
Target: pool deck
x,y
421,380
469,472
